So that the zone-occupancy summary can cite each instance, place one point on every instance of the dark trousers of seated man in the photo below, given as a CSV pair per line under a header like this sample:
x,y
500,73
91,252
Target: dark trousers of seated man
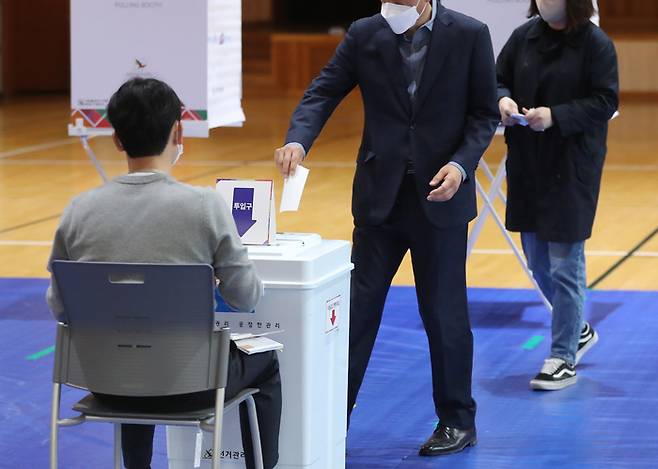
x,y
260,371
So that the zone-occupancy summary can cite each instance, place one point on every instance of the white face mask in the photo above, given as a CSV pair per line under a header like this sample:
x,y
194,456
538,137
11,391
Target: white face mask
x,y
552,11
401,18
178,154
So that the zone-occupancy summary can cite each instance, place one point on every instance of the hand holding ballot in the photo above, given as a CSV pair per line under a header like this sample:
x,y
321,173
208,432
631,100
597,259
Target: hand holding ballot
x,y
520,119
539,119
288,157
509,111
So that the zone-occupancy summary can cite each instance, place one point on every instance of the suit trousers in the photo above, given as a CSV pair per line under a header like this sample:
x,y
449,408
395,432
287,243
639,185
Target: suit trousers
x,y
438,257
245,371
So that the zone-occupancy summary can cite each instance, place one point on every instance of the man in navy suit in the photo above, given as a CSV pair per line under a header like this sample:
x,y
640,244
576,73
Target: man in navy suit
x,y
428,82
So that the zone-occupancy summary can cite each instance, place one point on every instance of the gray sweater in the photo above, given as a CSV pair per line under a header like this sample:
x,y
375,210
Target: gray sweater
x,y
152,218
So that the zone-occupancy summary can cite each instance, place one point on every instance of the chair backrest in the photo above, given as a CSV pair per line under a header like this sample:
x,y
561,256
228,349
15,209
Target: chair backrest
x,y
138,329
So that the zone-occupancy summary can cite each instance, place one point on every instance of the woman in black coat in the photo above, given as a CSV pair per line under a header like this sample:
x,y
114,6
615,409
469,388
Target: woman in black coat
x,y
558,86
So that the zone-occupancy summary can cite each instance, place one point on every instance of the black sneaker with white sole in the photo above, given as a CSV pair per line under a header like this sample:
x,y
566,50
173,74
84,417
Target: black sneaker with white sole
x,y
588,337
554,375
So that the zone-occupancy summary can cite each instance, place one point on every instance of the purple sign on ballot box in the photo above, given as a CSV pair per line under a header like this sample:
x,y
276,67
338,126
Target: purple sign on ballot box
x,y
243,209
252,206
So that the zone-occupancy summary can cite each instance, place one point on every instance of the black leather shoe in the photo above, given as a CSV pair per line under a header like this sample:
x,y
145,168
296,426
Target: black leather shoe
x,y
447,440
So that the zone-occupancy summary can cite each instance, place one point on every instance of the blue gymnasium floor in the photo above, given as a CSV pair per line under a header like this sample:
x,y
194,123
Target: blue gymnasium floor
x,y
608,420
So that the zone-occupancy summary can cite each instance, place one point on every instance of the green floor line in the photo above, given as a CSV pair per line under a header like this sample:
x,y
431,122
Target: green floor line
x,y
533,342
41,353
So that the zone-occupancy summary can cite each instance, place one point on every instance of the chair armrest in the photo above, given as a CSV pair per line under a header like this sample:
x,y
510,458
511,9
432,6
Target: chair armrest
x,y
218,373
60,367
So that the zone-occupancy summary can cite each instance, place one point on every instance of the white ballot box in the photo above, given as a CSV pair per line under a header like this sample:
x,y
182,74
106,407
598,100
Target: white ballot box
x,y
307,298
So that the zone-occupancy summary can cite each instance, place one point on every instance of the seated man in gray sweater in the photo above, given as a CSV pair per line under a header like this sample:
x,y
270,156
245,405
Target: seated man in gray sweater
x,y
147,216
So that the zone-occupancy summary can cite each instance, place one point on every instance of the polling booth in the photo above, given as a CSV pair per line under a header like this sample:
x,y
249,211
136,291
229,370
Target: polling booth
x,y
194,45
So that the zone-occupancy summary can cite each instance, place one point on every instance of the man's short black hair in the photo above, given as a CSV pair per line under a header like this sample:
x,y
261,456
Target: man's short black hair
x,y
142,113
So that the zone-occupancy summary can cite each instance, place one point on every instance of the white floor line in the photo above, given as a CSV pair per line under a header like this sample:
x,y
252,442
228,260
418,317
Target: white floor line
x,y
221,163
316,164
117,162
614,167
25,243
495,252
508,252
645,254
39,147
630,167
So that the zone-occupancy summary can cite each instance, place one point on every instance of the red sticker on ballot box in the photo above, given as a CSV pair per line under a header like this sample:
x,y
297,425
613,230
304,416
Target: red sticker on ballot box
x,y
333,314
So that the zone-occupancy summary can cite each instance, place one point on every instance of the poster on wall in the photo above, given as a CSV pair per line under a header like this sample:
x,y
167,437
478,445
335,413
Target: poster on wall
x,y
502,16
225,63
193,45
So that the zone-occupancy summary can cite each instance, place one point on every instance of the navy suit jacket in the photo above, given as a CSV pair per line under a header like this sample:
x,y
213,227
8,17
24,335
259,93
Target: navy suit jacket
x,y
452,118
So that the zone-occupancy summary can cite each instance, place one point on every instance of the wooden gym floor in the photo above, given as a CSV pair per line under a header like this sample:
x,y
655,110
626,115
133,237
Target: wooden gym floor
x,y
41,169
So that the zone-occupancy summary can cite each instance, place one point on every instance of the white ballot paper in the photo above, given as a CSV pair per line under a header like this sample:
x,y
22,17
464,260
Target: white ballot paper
x,y
235,336
257,344
293,187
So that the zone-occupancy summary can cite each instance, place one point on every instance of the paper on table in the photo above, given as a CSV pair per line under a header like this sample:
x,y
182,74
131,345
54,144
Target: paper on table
x,y
258,345
235,336
293,187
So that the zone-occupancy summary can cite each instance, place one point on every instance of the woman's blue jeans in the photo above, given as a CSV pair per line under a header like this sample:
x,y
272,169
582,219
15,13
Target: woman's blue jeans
x,y
559,269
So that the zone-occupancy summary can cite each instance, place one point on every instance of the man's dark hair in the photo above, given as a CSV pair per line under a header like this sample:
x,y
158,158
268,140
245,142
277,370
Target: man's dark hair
x,y
578,12
142,113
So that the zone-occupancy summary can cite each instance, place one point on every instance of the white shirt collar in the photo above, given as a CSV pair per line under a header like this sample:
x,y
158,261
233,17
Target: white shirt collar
x,y
430,22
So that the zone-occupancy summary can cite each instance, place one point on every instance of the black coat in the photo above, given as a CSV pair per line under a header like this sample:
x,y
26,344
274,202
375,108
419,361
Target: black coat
x,y
554,177
453,117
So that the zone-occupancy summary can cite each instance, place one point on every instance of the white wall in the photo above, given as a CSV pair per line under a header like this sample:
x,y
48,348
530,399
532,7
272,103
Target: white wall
x,y
502,16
